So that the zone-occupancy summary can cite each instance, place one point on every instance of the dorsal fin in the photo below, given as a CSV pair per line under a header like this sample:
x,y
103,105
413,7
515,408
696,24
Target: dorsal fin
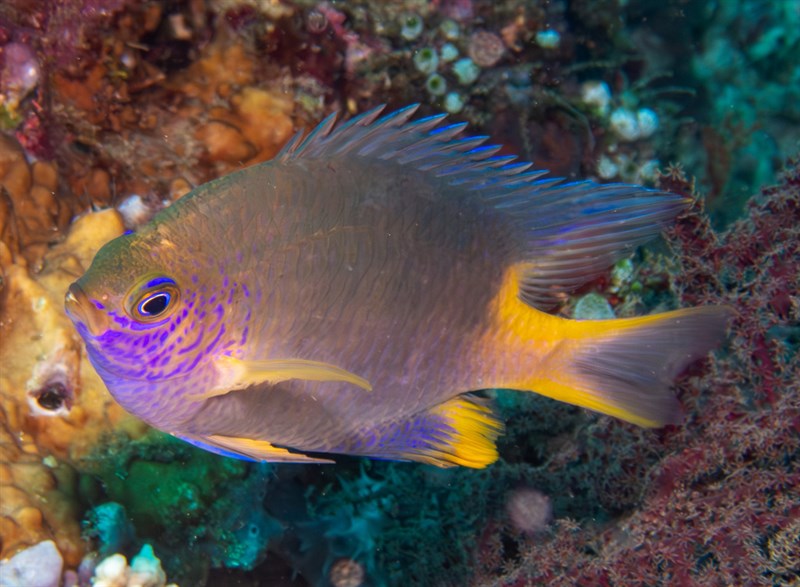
x,y
567,233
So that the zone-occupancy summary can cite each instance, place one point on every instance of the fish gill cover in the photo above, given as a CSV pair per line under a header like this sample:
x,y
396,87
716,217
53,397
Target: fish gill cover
x,y
118,104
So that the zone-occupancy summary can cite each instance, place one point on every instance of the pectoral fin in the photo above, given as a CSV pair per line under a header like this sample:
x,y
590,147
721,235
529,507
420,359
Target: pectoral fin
x,y
249,449
237,374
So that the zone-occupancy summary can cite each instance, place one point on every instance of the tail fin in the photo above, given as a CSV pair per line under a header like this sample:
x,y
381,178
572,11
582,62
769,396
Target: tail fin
x,y
625,367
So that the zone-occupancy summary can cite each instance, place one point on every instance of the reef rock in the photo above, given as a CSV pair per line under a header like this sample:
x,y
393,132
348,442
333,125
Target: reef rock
x,y
30,213
37,566
53,407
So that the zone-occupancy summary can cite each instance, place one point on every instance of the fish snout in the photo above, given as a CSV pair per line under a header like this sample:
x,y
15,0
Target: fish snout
x,y
81,311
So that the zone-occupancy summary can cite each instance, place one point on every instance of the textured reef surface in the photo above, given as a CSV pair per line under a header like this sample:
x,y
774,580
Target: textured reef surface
x,y
112,109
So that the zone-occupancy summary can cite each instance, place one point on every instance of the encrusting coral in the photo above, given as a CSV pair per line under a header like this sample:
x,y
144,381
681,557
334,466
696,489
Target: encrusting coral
x,y
240,123
30,213
54,407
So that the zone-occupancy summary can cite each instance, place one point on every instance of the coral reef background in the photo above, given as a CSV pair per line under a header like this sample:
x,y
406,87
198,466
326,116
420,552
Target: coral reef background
x,y
112,109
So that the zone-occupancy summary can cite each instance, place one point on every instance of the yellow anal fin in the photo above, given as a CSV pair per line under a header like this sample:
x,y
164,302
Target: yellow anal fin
x,y
237,374
461,431
260,450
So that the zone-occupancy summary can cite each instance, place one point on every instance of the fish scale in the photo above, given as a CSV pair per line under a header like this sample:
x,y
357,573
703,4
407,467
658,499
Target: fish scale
x,y
319,283
351,295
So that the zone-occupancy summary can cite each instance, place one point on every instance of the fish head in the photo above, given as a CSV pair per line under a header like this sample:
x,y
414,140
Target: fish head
x,y
129,306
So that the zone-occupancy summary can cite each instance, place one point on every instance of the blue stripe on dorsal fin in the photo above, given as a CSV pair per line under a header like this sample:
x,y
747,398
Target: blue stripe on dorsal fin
x,y
566,233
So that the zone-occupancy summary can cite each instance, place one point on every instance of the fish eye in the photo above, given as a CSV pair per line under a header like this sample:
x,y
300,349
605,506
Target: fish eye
x,y
154,304
153,298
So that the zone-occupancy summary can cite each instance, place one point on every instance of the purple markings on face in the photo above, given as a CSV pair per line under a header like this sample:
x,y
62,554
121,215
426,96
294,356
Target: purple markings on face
x,y
121,321
98,305
176,371
153,375
196,342
141,327
213,343
193,364
181,344
83,330
159,281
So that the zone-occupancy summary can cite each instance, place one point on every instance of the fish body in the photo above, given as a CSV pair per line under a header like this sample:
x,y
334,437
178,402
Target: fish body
x,y
346,298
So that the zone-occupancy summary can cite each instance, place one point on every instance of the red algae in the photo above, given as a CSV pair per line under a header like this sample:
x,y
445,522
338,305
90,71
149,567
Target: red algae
x,y
720,500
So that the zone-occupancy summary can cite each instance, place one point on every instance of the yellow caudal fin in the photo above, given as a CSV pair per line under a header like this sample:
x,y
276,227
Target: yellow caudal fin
x,y
622,367
625,368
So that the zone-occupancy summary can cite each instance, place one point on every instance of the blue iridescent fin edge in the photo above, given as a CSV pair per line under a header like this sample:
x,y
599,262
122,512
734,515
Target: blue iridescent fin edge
x,y
461,431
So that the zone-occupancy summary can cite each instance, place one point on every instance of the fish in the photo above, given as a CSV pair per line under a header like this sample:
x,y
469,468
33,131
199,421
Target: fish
x,y
356,295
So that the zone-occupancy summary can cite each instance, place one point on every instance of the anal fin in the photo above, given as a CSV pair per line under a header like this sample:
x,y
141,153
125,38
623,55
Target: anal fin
x,y
461,431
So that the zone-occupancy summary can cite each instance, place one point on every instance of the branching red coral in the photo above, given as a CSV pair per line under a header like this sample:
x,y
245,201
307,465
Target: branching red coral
x,y
720,505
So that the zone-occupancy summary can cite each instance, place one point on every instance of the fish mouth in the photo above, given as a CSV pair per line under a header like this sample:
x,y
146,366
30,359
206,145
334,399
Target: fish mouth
x,y
81,311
